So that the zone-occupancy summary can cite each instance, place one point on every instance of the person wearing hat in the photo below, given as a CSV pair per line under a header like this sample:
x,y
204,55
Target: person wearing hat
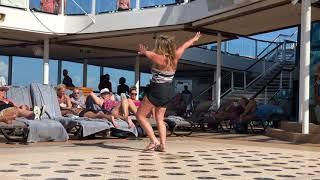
x,y
9,111
118,109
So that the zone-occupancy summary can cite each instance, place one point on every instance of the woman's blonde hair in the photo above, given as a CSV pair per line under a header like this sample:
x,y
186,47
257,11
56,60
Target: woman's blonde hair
x,y
60,87
165,45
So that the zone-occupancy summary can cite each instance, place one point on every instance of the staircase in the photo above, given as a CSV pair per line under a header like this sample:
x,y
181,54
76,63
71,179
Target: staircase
x,y
267,76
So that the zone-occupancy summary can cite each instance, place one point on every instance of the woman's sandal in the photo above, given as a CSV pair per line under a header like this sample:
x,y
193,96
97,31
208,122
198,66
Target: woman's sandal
x,y
159,148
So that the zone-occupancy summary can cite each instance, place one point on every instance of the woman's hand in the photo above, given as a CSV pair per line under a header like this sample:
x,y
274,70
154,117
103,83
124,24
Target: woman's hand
x,y
197,36
142,49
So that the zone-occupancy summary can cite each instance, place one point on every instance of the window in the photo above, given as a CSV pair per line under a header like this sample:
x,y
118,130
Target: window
x,y
4,67
75,72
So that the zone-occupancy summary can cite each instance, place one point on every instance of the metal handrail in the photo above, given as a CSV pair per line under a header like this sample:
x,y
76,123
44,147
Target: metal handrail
x,y
270,81
264,56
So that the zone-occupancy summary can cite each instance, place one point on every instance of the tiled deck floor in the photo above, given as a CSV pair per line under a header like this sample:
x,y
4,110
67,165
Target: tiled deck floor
x,y
187,158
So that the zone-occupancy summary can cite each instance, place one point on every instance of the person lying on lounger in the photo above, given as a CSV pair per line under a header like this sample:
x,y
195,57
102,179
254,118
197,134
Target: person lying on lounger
x,y
118,109
76,105
263,111
9,111
233,111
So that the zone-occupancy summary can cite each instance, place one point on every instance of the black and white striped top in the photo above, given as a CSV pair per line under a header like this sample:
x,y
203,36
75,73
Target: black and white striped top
x,y
161,76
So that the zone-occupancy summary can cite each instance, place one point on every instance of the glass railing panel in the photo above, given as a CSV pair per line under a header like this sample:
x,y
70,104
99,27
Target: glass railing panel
x,y
14,3
242,47
78,7
46,6
107,6
156,3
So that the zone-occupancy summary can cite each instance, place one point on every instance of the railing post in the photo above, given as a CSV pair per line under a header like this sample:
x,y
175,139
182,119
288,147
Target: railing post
x,y
256,49
62,7
232,81
284,51
137,4
28,5
85,73
244,80
266,95
280,86
93,8
263,66
290,80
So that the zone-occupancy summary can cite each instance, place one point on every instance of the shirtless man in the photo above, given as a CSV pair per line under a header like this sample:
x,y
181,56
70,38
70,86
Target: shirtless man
x,y
123,5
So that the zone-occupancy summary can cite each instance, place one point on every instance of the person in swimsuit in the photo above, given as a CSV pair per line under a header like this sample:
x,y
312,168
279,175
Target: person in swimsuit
x,y
118,109
165,57
133,96
9,111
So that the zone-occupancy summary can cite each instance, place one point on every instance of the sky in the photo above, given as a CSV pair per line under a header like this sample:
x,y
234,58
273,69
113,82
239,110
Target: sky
x,y
34,66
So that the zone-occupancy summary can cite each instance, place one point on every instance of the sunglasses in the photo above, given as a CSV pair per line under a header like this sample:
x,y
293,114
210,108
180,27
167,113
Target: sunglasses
x,y
133,93
76,93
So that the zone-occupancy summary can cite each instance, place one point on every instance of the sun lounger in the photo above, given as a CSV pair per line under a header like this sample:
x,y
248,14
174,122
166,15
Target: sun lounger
x,y
81,127
25,130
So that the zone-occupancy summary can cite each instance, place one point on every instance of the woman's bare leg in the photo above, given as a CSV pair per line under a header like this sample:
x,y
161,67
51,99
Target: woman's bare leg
x,y
122,111
159,116
142,113
101,115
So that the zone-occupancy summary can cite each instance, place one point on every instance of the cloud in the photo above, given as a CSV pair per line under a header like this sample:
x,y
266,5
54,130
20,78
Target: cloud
x,y
3,69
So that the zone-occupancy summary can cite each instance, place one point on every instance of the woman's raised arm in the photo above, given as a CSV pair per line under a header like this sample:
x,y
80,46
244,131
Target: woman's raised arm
x,y
187,44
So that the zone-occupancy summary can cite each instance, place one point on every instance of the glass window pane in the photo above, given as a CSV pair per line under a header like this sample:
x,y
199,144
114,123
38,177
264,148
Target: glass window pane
x,y
110,5
4,67
115,74
151,3
75,72
53,76
145,79
78,6
22,77
93,77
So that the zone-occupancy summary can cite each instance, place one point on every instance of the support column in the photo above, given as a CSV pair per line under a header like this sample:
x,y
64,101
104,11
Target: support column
x,y
218,73
304,76
256,49
46,61
59,78
10,71
137,75
85,73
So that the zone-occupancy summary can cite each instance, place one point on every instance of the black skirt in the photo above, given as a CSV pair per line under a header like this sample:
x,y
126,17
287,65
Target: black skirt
x,y
159,94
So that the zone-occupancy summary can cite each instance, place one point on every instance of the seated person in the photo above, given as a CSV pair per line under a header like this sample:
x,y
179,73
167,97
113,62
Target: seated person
x,y
118,109
133,96
233,111
9,111
263,111
76,105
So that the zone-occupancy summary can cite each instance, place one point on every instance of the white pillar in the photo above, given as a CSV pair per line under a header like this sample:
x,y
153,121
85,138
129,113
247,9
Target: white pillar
x,y
137,4
137,75
10,71
27,5
85,73
218,73
59,79
304,77
46,61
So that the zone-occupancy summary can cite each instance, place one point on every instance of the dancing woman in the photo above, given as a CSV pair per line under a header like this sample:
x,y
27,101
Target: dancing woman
x,y
165,57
